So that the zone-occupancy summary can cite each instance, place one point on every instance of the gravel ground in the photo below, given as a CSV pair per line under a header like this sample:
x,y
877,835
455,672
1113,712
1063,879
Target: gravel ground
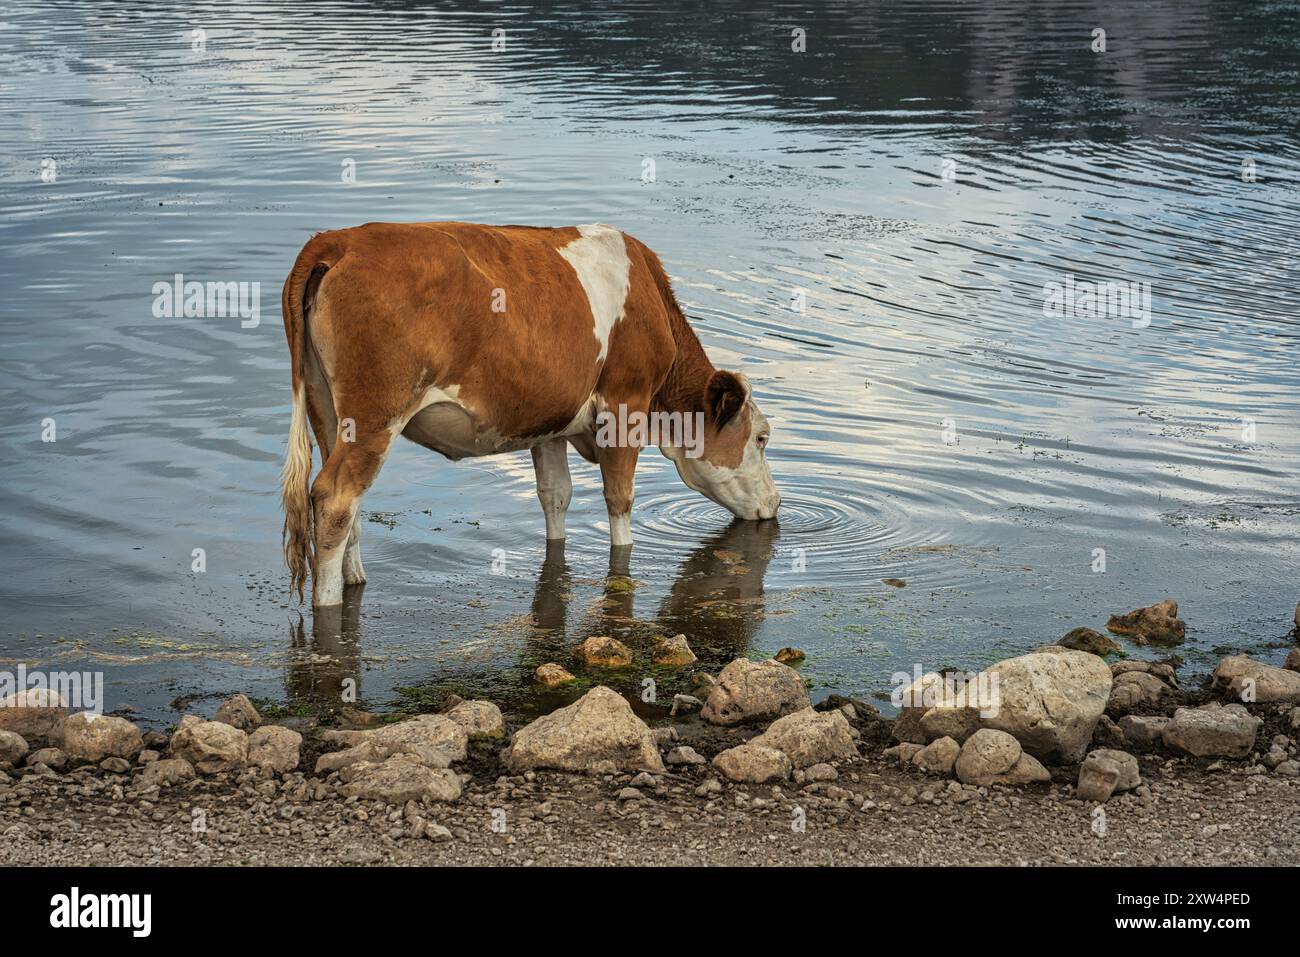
x,y
875,813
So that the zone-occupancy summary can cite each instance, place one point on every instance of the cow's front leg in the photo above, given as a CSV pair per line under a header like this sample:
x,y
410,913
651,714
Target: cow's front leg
x,y
353,571
554,486
618,470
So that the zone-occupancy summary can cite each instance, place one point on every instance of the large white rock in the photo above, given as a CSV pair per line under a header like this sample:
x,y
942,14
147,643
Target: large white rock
x,y
211,746
399,780
274,747
810,737
754,691
88,736
1050,702
13,747
753,764
596,732
32,713
1253,681
1227,731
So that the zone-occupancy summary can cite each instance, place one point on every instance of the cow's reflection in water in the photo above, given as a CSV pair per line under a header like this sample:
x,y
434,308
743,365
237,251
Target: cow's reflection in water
x,y
327,671
716,600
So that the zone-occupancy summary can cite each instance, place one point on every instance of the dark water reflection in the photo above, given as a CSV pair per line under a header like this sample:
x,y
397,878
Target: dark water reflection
x,y
932,423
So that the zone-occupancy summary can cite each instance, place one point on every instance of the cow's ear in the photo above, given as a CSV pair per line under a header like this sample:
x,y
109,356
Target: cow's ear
x,y
724,396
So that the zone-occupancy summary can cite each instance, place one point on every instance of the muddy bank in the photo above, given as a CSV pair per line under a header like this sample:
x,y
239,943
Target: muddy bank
x,y
1080,762
879,814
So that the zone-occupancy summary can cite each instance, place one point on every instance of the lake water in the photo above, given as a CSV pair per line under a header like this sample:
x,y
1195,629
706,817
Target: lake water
x,y
868,228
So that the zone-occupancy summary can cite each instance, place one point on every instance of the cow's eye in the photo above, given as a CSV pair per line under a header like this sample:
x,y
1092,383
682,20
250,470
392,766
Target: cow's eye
x,y
761,441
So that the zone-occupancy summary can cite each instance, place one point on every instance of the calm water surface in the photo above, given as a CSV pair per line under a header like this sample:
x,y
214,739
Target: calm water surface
x,y
914,179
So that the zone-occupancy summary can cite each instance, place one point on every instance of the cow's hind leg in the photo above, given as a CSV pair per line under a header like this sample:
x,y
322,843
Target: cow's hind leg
x,y
324,423
336,498
554,486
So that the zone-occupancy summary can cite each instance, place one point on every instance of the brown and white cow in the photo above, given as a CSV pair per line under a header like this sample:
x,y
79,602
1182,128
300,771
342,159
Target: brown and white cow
x,y
474,340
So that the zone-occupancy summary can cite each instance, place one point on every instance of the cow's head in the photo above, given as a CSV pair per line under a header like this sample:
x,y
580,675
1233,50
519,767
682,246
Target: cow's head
x,y
731,465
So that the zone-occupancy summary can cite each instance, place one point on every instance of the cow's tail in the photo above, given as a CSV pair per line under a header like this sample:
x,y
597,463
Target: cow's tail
x,y
295,479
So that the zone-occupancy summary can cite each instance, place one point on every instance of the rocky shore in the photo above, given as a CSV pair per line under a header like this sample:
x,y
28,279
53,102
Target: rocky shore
x,y
1055,756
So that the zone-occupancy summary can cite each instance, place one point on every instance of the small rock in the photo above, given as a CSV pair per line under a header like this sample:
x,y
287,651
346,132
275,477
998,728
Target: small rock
x,y
789,655
1027,770
938,757
238,712
1132,689
956,723
820,772
755,691
702,683
630,794
673,652
50,757
903,753
753,764
1289,768
1107,734
436,832
1106,771
645,780
709,788
986,754
685,704
1093,642
1156,623
550,675
1158,668
1292,662
664,735
274,747
601,651
115,765
167,772
481,720
684,755
1096,782
1143,732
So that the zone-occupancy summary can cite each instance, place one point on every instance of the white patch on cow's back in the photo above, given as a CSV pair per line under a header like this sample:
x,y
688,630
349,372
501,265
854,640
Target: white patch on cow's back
x,y
599,257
